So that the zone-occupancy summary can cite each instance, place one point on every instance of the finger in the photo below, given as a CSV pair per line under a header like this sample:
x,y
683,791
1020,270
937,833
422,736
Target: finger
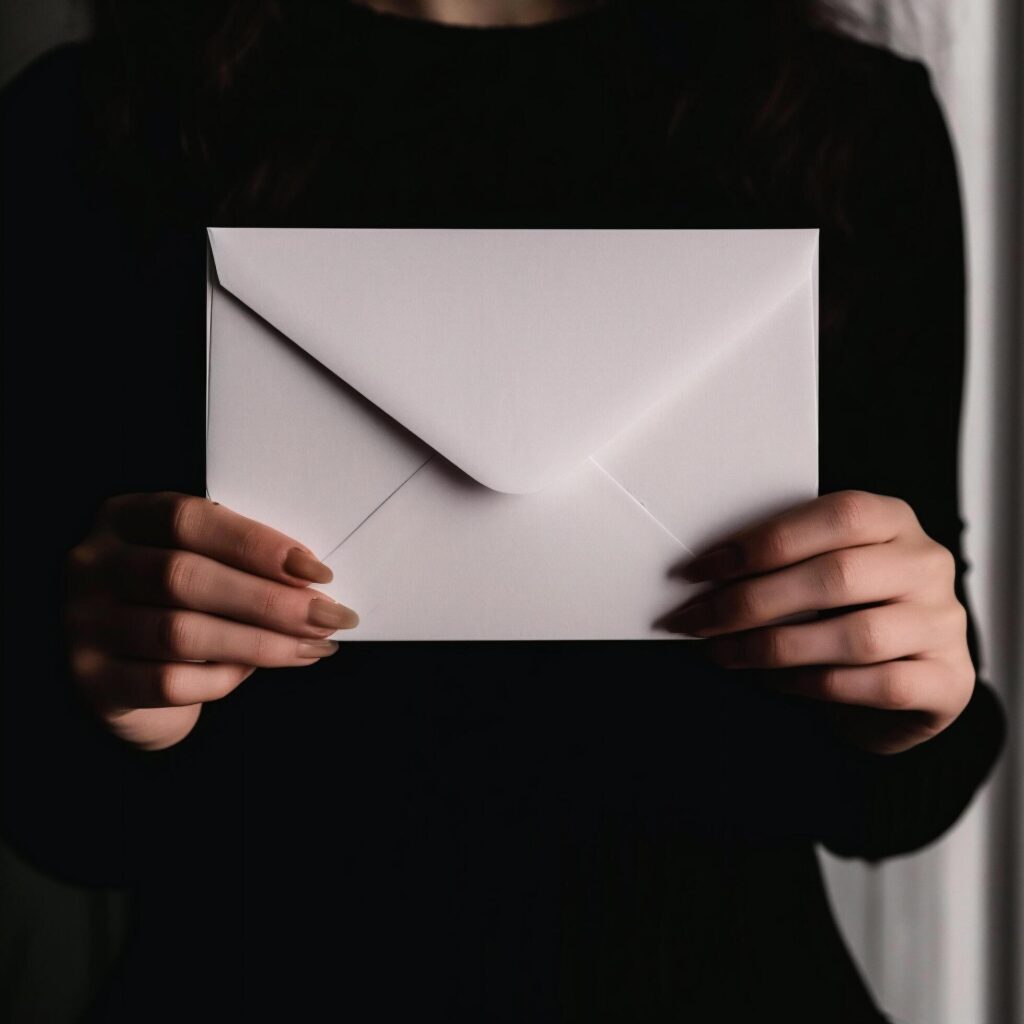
x,y
849,576
183,579
839,520
903,685
84,564
118,684
175,634
864,637
171,520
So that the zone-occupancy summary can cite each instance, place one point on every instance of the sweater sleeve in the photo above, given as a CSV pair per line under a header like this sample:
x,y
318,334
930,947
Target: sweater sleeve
x,y
896,423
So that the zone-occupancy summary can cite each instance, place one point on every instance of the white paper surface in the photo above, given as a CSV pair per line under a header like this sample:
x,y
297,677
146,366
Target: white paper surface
x,y
511,433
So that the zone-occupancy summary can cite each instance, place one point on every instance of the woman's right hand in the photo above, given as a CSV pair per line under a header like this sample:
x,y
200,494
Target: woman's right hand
x,y
173,600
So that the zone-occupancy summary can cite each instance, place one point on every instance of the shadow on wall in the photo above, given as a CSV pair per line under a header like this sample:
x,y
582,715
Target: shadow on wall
x,y
29,28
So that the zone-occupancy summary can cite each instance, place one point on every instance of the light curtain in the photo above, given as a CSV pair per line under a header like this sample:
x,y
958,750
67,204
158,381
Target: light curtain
x,y
940,933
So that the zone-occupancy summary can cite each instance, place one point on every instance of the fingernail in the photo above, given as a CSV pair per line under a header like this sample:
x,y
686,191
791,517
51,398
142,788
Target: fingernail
x,y
331,614
316,648
693,617
302,564
712,564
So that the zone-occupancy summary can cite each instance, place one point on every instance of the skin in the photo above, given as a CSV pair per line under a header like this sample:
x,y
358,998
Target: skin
x,y
483,12
889,648
174,601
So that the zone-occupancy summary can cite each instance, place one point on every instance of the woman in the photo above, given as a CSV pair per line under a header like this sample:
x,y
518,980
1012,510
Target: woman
x,y
578,831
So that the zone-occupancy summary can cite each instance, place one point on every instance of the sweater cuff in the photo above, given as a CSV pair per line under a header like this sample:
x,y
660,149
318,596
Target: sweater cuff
x,y
892,804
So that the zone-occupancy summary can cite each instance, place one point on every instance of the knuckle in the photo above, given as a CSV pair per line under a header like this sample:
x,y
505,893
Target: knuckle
x,y
86,663
904,508
847,511
81,556
179,577
865,638
743,603
828,683
249,544
941,562
270,604
171,684
772,647
262,646
176,634
774,548
838,577
896,688
81,561
187,514
958,620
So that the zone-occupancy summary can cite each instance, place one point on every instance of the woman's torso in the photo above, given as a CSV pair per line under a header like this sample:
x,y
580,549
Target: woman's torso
x,y
439,831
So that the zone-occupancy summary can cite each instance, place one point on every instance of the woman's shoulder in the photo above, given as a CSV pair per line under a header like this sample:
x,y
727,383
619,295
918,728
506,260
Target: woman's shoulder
x,y
851,62
884,94
900,157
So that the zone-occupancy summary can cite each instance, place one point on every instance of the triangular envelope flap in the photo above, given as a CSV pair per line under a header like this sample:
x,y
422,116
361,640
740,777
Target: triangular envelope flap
x,y
514,352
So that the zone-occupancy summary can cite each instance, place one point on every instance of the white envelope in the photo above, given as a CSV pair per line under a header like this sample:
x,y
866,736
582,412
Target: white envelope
x,y
494,434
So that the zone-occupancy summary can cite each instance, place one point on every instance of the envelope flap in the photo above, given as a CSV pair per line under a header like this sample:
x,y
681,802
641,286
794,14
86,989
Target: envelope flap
x,y
514,352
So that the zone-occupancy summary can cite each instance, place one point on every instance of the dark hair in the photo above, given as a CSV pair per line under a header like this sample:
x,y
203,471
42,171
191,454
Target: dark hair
x,y
200,68
740,64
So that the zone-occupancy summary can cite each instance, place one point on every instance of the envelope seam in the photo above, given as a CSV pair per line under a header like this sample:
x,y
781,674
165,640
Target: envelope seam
x,y
712,358
636,501
377,507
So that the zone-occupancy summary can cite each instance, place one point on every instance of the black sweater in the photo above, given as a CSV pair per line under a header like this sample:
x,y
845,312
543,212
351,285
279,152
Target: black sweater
x,y
577,831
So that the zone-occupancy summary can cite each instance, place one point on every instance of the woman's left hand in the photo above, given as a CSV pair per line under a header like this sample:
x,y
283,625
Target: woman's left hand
x,y
891,651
